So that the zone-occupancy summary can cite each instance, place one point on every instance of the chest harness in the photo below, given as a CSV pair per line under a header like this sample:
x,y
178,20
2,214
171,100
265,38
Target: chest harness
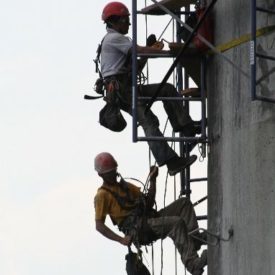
x,y
135,224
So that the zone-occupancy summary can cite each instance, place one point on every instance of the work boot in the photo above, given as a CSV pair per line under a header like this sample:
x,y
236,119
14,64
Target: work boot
x,y
178,164
196,266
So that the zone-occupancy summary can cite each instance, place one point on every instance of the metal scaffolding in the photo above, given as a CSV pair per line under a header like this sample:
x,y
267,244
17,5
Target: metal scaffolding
x,y
173,8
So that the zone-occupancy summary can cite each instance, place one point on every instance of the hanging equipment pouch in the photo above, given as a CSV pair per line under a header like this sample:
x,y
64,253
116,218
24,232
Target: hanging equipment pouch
x,y
134,265
110,116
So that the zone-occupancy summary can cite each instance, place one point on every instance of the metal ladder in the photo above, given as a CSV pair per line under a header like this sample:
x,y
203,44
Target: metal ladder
x,y
185,176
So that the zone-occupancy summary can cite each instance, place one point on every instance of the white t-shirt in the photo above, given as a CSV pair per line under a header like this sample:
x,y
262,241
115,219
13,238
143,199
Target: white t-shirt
x,y
114,52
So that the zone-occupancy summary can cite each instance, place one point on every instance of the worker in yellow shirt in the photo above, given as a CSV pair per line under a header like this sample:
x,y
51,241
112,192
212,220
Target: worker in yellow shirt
x,y
133,213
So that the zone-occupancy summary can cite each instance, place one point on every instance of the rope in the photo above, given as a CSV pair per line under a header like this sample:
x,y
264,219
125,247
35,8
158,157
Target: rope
x,y
175,77
175,249
242,39
146,33
164,199
202,155
149,151
175,81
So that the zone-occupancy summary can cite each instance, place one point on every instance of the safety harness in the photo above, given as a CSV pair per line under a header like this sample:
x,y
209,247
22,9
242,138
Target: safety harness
x,y
99,84
125,202
135,224
110,115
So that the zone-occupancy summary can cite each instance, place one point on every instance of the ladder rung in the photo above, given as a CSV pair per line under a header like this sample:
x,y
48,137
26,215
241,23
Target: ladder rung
x,y
203,217
198,179
169,4
170,98
157,138
154,55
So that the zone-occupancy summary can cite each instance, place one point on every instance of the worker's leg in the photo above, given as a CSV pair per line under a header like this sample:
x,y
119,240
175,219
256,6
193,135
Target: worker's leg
x,y
175,228
178,114
183,208
149,122
162,152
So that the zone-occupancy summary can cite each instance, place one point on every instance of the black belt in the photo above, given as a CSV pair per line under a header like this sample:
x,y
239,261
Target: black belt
x,y
119,77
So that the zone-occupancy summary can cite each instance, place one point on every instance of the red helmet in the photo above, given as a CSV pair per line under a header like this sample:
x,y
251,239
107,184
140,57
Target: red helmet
x,y
104,163
114,8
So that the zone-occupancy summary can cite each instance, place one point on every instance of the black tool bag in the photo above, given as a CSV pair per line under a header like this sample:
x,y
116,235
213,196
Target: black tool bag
x,y
110,117
134,264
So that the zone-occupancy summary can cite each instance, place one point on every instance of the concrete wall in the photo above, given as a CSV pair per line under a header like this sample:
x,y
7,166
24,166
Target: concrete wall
x,y
242,150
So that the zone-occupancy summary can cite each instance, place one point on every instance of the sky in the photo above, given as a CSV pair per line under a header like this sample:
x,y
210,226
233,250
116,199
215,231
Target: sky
x,y
50,136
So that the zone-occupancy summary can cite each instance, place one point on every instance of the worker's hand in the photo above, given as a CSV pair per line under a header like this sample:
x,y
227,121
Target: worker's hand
x,y
158,45
126,240
151,40
154,171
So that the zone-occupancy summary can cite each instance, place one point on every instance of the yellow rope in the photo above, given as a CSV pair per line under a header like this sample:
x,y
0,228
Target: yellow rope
x,y
243,39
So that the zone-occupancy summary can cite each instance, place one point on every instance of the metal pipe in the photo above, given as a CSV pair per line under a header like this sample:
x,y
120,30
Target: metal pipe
x,y
179,88
200,201
158,138
152,55
134,70
203,96
252,50
198,179
171,98
177,12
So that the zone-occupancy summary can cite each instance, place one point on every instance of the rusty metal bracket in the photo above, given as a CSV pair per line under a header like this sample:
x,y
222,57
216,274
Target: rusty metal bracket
x,y
216,236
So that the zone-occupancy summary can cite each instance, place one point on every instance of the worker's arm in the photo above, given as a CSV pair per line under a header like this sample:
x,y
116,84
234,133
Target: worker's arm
x,y
150,198
110,234
150,48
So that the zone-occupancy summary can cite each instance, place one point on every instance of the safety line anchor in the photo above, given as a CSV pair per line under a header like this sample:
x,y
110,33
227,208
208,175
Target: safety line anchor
x,y
217,237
